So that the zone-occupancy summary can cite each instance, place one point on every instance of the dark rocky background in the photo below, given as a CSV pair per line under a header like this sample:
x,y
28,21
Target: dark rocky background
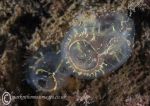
x,y
26,25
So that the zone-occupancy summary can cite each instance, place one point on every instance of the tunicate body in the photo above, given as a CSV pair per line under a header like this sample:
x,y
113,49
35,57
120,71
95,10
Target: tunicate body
x,y
44,70
98,44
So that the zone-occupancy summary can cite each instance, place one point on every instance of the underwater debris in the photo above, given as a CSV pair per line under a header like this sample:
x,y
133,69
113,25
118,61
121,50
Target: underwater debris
x,y
97,44
137,100
147,2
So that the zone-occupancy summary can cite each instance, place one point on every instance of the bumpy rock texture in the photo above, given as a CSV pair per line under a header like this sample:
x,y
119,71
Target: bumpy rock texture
x,y
26,25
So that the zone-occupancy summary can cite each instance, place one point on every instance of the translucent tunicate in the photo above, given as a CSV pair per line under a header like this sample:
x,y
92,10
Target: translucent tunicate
x,y
44,70
97,44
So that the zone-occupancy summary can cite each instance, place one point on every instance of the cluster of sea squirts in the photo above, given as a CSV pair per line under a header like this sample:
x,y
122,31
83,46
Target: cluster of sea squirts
x,y
96,45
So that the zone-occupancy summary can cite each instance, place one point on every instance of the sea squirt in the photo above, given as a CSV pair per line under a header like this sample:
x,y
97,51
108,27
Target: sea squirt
x,y
97,44
44,70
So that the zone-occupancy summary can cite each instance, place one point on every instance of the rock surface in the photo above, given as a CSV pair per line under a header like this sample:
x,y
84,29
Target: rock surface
x,y
26,25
